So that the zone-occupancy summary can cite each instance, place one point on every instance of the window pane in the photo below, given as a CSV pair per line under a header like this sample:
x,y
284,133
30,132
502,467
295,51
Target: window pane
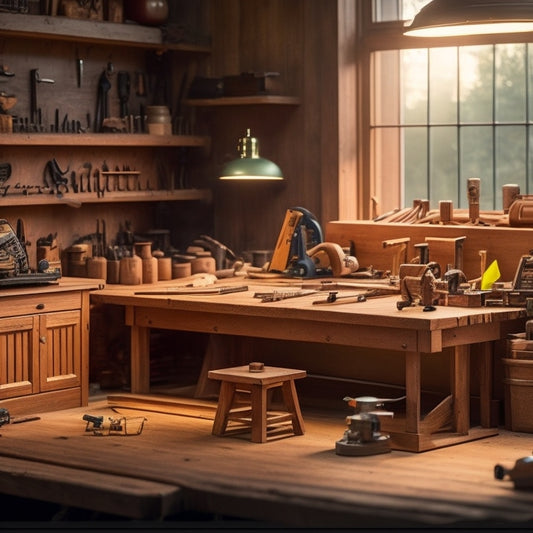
x,y
476,149
411,7
443,86
415,165
476,83
510,97
389,10
443,166
510,159
386,10
414,86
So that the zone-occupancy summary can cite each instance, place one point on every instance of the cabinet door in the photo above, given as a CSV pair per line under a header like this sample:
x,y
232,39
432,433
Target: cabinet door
x,y
60,350
19,356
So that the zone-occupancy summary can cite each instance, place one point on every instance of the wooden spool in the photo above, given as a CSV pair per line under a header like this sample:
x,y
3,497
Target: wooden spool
x,y
510,193
164,268
97,267
149,270
130,272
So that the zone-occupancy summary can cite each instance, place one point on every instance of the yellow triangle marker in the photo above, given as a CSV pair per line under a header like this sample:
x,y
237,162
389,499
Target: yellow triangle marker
x,y
490,275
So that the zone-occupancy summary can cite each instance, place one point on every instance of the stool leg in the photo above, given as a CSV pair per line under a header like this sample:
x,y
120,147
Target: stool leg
x,y
259,413
293,406
225,402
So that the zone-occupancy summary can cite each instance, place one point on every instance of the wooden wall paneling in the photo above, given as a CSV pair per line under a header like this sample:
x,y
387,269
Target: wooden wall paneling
x,y
325,56
57,60
286,37
348,175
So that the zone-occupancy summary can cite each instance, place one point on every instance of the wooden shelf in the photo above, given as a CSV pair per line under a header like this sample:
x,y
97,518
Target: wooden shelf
x,y
78,199
270,99
65,29
101,139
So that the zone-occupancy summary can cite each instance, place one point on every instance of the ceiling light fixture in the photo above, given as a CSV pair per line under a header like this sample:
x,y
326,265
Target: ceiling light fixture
x,y
446,18
249,166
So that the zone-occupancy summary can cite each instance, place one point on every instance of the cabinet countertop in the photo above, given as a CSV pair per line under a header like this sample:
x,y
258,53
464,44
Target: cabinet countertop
x,y
63,285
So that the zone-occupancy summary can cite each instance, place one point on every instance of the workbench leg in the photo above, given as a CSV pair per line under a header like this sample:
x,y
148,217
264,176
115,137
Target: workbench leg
x,y
139,354
460,385
412,392
485,383
259,413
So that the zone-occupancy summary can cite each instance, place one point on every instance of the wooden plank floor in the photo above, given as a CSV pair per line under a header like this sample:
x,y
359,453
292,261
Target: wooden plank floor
x,y
176,465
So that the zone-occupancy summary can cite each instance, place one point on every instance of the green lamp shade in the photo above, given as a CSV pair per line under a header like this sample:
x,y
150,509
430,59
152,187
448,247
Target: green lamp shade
x,y
249,166
446,18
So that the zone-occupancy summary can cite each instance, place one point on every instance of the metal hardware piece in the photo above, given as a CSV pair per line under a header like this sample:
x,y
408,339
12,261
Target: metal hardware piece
x,y
276,296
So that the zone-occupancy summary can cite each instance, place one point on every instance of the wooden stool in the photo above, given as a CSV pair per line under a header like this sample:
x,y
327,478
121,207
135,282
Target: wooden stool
x,y
257,417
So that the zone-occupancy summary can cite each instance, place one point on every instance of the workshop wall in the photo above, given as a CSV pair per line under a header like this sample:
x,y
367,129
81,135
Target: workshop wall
x,y
298,39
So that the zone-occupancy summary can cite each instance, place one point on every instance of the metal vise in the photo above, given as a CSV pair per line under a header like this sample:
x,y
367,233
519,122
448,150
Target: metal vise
x,y
418,285
363,436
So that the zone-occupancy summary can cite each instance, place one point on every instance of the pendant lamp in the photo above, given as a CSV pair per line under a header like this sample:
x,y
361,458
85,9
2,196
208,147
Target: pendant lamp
x,y
445,18
249,166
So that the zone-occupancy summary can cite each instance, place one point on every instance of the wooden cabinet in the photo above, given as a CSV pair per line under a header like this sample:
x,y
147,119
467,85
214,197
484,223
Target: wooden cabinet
x,y
44,343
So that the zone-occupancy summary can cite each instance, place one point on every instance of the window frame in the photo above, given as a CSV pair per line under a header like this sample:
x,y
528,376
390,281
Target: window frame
x,y
372,37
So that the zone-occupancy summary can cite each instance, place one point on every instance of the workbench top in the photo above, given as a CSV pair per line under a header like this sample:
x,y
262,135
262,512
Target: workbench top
x,y
380,310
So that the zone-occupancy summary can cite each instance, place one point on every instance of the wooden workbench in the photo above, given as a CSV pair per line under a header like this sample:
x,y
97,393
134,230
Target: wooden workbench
x,y
176,465
375,323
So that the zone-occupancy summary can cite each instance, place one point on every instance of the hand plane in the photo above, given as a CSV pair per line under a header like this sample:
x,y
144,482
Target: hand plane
x,y
329,257
300,232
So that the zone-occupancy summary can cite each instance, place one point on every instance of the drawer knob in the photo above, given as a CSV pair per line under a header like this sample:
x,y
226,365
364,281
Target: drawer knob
x,y
39,306
42,339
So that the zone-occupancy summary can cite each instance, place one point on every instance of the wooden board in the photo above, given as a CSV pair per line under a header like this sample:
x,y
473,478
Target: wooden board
x,y
504,244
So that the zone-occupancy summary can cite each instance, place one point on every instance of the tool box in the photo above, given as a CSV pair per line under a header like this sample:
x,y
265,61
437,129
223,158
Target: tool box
x,y
249,83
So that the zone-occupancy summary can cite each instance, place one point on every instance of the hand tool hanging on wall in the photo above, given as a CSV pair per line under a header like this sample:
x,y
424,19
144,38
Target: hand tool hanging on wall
x,y
123,85
104,86
5,72
59,181
34,80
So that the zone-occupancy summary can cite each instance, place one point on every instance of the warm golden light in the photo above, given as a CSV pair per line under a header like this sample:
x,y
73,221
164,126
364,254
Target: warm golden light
x,y
448,18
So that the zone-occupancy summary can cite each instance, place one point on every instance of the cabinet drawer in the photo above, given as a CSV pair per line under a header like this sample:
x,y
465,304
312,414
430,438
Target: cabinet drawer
x,y
39,303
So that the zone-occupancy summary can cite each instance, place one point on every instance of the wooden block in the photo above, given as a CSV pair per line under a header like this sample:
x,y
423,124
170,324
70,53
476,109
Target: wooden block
x,y
114,11
522,354
6,124
465,300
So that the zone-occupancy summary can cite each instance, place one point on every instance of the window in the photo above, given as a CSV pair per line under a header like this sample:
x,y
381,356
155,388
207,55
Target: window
x,y
441,112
